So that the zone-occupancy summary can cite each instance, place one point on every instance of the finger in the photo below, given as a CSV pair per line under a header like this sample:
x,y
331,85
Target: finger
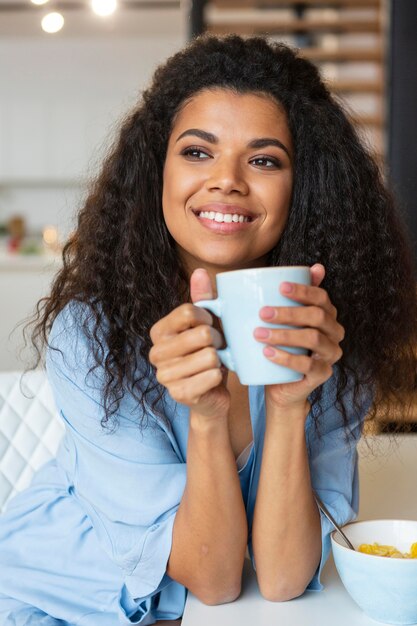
x,y
200,286
316,371
318,273
190,391
309,295
183,317
309,338
186,367
185,343
305,316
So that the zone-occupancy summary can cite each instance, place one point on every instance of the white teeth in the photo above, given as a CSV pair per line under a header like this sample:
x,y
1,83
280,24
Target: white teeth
x,y
223,217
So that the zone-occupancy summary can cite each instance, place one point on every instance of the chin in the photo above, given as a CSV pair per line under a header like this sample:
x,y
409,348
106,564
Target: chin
x,y
226,265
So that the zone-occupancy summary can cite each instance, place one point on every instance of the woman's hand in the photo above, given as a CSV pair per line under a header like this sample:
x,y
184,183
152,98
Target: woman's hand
x,y
319,332
185,357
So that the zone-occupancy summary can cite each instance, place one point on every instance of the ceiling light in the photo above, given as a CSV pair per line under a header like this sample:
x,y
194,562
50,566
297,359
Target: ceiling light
x,y
52,23
39,1
104,7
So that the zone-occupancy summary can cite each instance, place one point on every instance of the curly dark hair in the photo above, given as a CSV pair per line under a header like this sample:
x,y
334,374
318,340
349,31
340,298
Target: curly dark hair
x,y
341,215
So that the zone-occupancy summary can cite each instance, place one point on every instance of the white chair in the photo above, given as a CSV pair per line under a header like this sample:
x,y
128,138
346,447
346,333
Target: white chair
x,y
30,429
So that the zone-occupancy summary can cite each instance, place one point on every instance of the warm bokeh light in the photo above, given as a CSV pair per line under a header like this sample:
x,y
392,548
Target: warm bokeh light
x,y
50,236
52,23
104,7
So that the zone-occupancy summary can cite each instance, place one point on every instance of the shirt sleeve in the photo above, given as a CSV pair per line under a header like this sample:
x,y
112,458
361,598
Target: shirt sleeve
x,y
334,462
128,480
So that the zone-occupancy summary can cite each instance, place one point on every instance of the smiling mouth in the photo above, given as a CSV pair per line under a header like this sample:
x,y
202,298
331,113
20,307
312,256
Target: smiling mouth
x,y
220,218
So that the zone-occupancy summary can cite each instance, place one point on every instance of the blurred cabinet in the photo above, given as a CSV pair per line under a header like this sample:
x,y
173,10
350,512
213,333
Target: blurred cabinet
x,y
345,38
52,141
23,281
23,151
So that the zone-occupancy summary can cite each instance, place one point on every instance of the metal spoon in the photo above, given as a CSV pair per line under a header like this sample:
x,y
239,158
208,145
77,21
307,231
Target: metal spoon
x,y
332,521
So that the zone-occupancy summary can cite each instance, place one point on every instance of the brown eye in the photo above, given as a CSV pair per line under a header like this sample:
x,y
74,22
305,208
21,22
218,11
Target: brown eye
x,y
266,162
195,154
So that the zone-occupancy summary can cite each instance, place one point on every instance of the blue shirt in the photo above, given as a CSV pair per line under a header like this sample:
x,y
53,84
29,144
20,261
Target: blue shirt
x,y
88,542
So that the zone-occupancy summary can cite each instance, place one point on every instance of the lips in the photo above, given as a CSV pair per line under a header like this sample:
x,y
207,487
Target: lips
x,y
224,219
231,209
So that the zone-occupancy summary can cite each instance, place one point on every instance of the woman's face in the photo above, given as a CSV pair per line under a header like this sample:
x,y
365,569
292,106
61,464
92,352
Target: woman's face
x,y
228,179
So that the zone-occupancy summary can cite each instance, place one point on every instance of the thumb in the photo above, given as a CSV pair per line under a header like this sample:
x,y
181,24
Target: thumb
x,y
317,272
200,286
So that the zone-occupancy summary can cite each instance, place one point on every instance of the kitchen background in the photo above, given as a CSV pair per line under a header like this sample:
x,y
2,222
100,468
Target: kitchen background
x,y
62,95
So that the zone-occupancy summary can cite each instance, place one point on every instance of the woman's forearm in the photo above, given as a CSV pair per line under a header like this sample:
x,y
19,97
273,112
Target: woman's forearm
x,y
210,529
286,533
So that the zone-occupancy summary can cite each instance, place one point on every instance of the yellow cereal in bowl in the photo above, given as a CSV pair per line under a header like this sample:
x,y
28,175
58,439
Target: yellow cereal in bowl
x,y
390,551
385,589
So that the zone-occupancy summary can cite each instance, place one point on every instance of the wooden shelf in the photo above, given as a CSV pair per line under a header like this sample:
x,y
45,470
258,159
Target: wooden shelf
x,y
399,417
342,54
356,86
272,26
269,4
367,120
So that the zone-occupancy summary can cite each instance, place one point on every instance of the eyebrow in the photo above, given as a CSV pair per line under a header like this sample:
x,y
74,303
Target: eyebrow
x,y
261,142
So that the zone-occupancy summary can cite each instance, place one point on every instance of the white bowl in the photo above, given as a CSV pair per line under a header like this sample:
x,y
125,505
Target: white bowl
x,y
384,588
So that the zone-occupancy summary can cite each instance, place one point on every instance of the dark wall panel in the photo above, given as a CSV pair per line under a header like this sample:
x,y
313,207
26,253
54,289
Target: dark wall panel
x,y
402,148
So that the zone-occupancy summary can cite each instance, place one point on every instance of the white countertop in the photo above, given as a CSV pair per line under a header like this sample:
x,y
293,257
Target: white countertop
x,y
388,479
330,607
29,262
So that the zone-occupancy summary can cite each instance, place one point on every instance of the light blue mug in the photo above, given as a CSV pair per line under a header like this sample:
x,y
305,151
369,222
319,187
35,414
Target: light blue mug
x,y
241,295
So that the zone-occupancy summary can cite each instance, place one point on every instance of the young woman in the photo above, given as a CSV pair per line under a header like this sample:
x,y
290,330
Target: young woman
x,y
236,157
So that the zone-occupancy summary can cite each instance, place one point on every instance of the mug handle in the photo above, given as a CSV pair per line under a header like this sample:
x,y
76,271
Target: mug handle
x,y
214,306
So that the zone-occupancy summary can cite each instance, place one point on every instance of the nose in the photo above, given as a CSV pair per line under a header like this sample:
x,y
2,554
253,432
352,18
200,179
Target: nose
x,y
226,175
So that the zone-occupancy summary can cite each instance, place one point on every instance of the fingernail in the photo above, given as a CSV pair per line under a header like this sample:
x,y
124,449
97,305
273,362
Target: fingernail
x,y
286,287
268,351
261,333
200,270
267,312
